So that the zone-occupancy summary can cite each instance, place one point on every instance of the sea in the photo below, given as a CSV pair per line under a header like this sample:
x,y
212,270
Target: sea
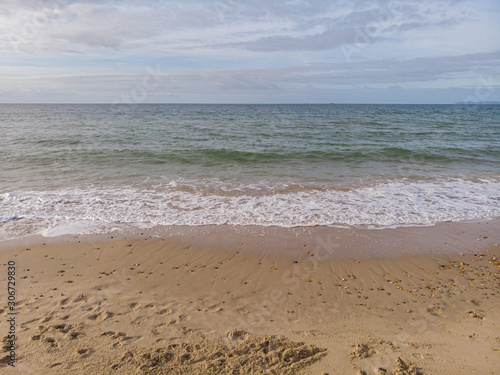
x,y
94,168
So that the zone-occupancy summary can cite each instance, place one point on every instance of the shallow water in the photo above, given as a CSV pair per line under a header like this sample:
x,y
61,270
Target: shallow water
x,y
93,166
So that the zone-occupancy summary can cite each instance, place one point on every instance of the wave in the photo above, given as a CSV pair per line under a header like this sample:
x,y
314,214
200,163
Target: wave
x,y
383,204
219,156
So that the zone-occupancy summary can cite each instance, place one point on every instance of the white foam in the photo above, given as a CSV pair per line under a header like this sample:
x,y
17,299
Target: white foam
x,y
378,205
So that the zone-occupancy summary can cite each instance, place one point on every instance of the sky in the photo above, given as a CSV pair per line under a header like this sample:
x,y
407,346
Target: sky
x,y
255,51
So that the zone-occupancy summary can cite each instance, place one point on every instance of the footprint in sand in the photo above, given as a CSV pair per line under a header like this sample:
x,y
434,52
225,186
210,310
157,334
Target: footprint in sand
x,y
51,342
62,328
75,335
436,311
278,355
157,329
103,315
115,366
80,298
84,352
308,333
374,357
73,332
48,318
185,330
123,341
42,328
31,321
134,305
237,335
113,334
418,355
138,321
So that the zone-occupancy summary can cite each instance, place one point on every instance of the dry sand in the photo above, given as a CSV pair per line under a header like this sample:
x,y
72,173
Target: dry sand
x,y
181,305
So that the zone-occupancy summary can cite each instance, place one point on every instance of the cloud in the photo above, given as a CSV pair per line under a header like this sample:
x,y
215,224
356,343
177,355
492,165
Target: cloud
x,y
253,48
298,25
450,72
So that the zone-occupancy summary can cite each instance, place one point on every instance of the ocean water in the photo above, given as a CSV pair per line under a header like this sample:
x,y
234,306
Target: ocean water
x,y
93,168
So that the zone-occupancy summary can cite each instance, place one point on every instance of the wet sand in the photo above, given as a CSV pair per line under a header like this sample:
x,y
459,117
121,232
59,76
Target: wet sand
x,y
202,303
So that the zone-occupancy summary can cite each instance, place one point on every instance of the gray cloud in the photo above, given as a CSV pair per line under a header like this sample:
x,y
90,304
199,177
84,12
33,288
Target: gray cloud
x,y
349,75
121,24
377,22
97,50
385,72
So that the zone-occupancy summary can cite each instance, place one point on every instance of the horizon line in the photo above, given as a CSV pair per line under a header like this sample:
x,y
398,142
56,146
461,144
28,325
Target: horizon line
x,y
252,103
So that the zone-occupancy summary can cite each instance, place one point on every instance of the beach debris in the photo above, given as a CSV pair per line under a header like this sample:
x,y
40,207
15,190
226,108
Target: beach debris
x,y
473,314
274,269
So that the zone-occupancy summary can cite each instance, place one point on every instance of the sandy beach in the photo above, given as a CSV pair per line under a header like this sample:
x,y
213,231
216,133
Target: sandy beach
x,y
181,305
249,187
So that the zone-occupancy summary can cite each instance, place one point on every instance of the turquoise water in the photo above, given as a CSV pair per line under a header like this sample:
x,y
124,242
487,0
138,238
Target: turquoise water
x,y
95,166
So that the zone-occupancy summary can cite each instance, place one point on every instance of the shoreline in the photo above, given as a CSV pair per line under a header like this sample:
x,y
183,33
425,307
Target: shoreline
x,y
326,242
126,305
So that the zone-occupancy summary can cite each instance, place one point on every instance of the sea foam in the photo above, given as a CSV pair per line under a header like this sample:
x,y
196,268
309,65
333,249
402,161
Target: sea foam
x,y
375,205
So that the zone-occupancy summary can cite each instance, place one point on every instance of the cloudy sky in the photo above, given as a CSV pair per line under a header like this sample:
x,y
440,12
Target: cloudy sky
x,y
255,51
